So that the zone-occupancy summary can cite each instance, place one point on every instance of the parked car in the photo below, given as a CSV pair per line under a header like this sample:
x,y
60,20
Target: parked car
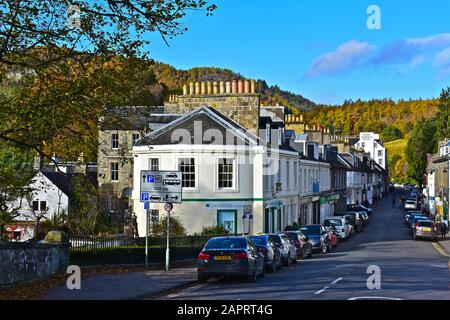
x,y
230,256
304,248
288,249
356,220
414,215
411,204
425,229
415,220
365,217
318,237
343,229
272,253
359,207
411,213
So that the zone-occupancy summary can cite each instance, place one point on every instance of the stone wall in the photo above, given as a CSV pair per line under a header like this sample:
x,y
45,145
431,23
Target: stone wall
x,y
25,262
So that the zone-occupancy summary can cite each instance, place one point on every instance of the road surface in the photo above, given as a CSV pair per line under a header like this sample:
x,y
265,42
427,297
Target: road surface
x,y
409,269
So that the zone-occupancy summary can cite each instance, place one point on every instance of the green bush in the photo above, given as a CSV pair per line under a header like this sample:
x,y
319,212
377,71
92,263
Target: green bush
x,y
214,230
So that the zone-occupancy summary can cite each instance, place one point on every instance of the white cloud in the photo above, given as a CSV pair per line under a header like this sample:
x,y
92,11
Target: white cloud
x,y
347,56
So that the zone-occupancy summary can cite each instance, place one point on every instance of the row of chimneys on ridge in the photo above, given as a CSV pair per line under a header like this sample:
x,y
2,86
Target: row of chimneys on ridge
x,y
220,87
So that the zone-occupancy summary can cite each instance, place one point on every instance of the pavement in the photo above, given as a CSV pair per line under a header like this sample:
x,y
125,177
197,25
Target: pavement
x,y
408,270
125,286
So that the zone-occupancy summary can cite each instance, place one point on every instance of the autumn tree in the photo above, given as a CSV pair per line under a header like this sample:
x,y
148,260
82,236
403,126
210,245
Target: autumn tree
x,y
443,115
421,142
67,62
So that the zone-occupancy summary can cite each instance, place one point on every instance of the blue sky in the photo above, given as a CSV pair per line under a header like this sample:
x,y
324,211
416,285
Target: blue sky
x,y
322,49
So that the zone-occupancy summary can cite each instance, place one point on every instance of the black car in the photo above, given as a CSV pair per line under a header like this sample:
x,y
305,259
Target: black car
x,y
359,207
272,253
304,248
230,256
318,237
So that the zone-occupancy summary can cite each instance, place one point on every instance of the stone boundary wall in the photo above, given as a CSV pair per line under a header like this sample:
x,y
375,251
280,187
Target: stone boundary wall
x,y
26,262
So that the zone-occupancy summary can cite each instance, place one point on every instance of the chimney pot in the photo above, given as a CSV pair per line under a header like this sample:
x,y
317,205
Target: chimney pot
x,y
228,87
252,86
203,88
234,87
185,90
209,87
197,88
246,87
240,86
215,88
191,88
221,87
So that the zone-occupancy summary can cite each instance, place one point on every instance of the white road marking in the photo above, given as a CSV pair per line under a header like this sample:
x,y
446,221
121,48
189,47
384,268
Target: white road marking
x,y
373,298
328,287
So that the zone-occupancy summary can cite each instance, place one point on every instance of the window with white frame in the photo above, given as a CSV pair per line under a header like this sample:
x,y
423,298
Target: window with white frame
x,y
153,164
225,173
187,167
114,171
135,138
114,141
39,206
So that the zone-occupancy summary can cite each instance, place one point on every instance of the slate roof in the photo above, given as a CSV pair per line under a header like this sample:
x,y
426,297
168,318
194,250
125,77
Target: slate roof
x,y
209,117
60,180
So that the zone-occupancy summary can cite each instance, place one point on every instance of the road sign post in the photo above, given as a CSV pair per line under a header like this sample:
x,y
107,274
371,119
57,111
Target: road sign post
x,y
168,207
146,237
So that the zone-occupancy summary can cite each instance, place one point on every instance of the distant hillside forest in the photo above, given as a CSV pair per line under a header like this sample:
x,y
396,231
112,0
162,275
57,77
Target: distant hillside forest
x,y
393,120
174,79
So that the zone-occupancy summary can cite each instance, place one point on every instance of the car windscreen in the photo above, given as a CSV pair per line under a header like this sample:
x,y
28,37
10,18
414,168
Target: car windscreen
x,y
334,222
292,235
426,224
259,240
226,243
275,239
310,230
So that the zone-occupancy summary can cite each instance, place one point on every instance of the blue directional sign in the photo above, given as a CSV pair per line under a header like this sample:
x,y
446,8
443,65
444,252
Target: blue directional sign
x,y
146,205
161,186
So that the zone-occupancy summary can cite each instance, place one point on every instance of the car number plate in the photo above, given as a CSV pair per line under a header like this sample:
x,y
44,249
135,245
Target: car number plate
x,y
426,229
222,258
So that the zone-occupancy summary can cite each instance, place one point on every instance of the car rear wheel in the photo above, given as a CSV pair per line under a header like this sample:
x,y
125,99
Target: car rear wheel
x,y
287,261
253,276
273,266
202,278
304,255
